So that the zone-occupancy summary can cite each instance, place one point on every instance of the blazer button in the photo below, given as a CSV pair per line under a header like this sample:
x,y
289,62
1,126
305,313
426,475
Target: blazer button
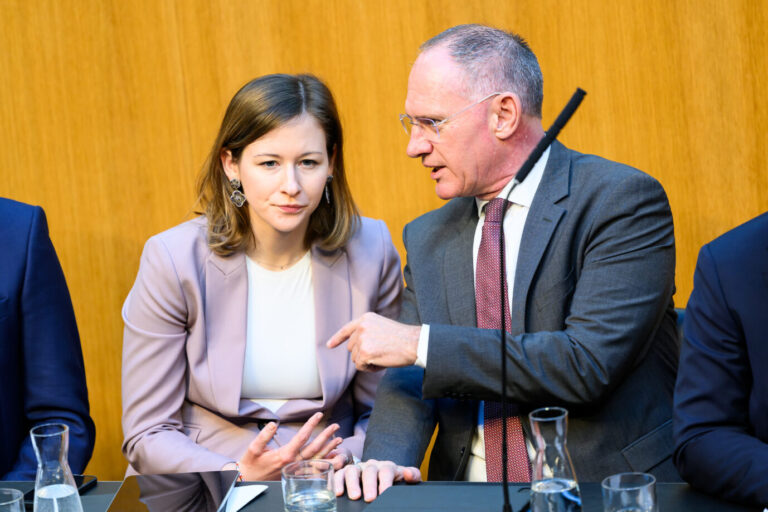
x,y
463,449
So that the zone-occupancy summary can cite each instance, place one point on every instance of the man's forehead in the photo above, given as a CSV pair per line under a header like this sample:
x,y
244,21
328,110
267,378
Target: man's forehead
x,y
435,79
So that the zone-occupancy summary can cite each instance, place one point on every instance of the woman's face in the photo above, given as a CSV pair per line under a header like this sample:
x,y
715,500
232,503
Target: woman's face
x,y
283,175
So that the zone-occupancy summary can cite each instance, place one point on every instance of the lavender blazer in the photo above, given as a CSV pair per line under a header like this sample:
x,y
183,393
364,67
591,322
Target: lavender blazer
x,y
184,346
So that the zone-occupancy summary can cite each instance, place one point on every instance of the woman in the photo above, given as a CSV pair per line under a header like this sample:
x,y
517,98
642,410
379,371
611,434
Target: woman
x,y
224,357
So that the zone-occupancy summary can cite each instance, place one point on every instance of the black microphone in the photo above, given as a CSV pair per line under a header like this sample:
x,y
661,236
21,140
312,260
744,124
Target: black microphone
x,y
525,169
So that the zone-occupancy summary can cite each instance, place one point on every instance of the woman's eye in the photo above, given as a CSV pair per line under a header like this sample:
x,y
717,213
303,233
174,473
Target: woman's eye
x,y
308,163
269,164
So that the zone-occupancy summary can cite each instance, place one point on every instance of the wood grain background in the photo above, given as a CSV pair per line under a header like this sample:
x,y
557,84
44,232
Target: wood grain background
x,y
108,109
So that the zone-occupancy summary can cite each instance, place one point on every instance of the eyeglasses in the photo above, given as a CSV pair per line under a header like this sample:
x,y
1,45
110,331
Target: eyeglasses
x,y
431,127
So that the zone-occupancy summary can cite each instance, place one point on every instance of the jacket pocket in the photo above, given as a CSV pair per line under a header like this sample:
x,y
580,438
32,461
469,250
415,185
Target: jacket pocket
x,y
651,449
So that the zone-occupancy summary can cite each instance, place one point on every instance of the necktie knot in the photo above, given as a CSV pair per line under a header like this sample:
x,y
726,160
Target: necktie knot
x,y
495,209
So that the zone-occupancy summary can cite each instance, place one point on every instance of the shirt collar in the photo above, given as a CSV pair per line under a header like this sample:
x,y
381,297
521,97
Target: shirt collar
x,y
524,192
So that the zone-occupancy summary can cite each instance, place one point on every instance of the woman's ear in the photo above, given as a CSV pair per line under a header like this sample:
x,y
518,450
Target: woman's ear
x,y
332,161
229,164
508,114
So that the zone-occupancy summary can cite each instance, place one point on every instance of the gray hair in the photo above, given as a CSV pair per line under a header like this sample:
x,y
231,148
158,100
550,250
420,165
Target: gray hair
x,y
494,61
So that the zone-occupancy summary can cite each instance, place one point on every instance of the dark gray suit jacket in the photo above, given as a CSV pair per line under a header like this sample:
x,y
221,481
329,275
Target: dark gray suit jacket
x,y
593,326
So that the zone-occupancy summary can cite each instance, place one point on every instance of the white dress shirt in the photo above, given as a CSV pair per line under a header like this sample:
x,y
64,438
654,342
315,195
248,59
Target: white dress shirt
x,y
514,222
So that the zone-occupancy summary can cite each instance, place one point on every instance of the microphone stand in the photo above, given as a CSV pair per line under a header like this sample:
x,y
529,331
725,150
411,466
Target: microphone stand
x,y
543,144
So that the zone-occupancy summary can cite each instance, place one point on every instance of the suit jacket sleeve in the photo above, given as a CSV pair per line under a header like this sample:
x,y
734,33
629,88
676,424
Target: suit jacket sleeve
x,y
54,388
154,371
620,284
716,449
402,423
387,303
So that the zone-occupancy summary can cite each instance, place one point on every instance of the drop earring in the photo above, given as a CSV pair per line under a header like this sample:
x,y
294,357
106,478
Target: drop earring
x,y
237,197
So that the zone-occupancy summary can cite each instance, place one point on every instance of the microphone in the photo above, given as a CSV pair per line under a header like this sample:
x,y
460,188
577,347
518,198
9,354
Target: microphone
x,y
525,169
549,136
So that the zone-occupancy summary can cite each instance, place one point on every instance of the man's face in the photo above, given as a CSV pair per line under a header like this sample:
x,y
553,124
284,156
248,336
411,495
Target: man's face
x,y
460,159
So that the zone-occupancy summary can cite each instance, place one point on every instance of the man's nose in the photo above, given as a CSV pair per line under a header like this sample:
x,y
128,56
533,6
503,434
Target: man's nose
x,y
418,145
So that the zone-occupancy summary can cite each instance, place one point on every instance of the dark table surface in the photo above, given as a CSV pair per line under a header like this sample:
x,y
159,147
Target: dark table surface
x,y
443,496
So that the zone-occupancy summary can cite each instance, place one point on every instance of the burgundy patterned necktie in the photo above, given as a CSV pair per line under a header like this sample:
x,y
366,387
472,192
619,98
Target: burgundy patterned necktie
x,y
487,302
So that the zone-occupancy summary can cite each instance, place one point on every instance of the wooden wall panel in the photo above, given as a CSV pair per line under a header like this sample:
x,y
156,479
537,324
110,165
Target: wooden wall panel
x,y
108,109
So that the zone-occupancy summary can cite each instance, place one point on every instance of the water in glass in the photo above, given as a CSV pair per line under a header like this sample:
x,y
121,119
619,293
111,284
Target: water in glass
x,y
57,498
555,495
311,500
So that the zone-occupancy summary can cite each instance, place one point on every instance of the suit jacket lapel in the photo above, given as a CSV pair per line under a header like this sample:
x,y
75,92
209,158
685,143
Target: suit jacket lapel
x,y
458,271
543,218
226,302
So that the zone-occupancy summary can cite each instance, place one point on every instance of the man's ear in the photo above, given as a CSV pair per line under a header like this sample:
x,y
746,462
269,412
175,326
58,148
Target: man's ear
x,y
508,113
229,164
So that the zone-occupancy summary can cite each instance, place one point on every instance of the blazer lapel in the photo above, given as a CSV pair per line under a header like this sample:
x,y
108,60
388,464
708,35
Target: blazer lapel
x,y
543,218
226,302
333,309
458,271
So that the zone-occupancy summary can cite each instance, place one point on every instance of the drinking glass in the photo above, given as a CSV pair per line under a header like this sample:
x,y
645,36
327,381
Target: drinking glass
x,y
11,500
553,481
308,486
55,489
630,492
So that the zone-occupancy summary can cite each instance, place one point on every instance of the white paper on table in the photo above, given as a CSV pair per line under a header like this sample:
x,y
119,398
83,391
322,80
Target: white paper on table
x,y
241,496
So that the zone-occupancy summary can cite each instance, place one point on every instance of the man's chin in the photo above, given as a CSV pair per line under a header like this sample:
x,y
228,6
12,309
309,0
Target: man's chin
x,y
446,191
445,196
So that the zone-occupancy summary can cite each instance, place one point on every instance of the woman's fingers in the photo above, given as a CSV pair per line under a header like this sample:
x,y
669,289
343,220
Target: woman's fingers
x,y
338,458
327,448
260,442
301,437
322,444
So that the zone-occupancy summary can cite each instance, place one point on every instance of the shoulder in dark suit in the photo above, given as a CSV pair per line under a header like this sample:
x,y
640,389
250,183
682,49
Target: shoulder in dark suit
x,y
42,377
592,325
721,396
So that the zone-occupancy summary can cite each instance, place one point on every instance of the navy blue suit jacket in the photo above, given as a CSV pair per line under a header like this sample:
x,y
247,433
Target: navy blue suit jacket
x,y
42,378
721,396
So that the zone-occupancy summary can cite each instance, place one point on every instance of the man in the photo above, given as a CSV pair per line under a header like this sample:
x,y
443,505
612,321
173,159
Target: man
x,y
590,262
721,404
42,379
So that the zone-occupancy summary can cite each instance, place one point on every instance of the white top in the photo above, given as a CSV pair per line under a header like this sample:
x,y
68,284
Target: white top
x,y
280,354
514,222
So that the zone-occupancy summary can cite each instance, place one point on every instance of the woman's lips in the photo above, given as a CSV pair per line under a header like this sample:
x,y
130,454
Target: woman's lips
x,y
290,208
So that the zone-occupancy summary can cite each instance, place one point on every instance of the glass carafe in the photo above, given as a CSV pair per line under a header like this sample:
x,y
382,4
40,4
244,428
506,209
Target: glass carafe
x,y
55,489
553,481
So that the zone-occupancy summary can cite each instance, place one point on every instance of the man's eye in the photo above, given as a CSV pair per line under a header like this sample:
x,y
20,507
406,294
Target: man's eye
x,y
426,122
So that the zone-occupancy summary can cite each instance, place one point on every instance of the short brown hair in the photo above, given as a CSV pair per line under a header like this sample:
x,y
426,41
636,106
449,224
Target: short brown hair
x,y
259,107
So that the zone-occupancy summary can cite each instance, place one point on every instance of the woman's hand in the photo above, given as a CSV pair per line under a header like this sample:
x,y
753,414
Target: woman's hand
x,y
262,463
339,458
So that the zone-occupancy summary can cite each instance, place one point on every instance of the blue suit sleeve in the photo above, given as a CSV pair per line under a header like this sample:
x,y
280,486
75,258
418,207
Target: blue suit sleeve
x,y
716,450
54,375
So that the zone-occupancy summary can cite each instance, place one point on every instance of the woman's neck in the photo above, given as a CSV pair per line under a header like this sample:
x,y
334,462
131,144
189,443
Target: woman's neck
x,y
278,252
